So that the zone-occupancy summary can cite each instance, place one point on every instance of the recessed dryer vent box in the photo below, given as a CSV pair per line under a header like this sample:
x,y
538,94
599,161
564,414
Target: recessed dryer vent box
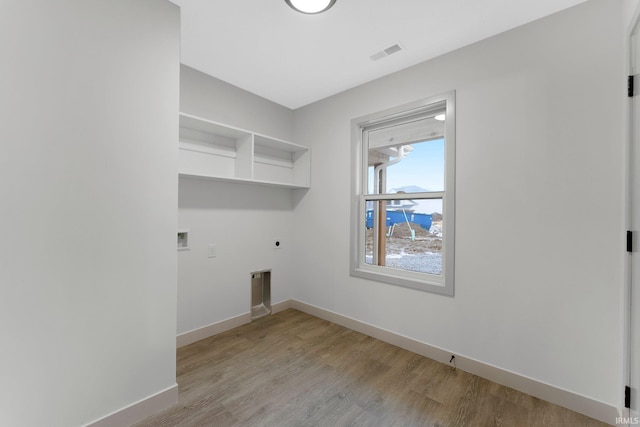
x,y
260,294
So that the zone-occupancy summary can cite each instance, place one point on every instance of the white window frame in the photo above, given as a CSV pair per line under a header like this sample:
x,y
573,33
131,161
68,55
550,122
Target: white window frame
x,y
440,284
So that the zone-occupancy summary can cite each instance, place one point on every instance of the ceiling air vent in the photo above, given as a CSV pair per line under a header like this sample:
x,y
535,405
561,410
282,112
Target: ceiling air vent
x,y
386,52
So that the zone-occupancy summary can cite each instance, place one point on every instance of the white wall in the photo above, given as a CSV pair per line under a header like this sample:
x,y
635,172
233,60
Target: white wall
x,y
539,228
629,8
211,98
88,195
241,220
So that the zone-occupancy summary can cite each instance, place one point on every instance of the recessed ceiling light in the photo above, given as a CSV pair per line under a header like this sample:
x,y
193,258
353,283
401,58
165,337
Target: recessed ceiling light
x,y
310,6
440,117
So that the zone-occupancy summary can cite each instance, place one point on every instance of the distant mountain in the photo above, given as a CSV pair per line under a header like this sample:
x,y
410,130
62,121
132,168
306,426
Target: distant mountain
x,y
408,189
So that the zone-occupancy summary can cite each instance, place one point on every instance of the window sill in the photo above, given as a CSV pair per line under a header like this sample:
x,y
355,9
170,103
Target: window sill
x,y
433,286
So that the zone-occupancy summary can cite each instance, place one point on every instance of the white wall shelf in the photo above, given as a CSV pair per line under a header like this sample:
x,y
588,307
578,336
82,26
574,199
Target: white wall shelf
x,y
212,150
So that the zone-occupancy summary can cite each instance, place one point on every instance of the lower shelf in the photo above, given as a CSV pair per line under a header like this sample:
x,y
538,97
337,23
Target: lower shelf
x,y
243,181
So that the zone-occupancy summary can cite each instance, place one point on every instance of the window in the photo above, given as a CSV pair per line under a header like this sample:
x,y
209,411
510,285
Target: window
x,y
403,195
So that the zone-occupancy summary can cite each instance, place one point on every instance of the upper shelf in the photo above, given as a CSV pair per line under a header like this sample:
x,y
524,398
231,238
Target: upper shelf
x,y
216,151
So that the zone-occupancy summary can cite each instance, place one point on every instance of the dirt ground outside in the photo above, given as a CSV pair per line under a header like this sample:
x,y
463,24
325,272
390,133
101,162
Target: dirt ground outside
x,y
424,254
400,242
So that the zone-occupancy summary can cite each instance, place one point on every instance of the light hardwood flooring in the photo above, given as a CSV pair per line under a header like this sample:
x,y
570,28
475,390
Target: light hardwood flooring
x,y
292,369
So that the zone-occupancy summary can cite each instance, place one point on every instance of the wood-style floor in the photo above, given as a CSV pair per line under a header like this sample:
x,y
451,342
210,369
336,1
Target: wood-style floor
x,y
292,369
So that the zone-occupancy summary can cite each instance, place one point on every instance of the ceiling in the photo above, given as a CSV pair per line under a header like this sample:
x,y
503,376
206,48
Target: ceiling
x,y
293,59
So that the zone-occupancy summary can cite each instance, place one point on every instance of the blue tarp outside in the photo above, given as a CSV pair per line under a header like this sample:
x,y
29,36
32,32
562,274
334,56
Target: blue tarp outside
x,y
396,217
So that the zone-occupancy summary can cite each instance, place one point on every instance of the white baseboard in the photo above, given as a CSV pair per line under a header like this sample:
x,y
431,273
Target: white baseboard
x,y
282,306
578,403
190,337
140,410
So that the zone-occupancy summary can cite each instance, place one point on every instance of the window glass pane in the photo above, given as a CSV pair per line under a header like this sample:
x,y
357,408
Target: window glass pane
x,y
370,180
368,236
401,192
410,238
422,170
409,160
